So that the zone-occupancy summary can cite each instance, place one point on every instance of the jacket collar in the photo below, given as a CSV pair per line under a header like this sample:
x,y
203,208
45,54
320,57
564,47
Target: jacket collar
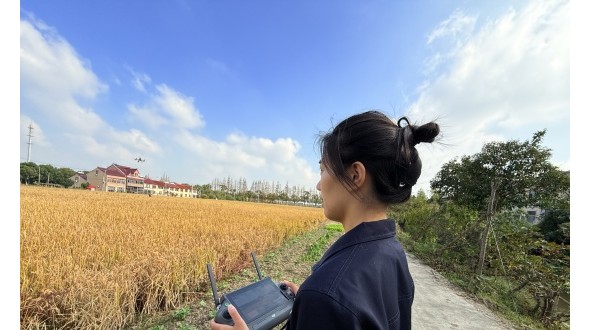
x,y
363,232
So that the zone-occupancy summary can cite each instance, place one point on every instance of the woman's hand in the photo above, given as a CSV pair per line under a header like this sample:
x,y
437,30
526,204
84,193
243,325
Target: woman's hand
x,y
239,323
294,287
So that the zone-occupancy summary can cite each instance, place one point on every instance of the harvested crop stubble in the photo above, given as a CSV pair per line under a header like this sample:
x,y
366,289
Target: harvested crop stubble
x,y
94,260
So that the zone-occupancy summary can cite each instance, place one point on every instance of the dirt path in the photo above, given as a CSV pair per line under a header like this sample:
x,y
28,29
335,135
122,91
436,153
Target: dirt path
x,y
437,305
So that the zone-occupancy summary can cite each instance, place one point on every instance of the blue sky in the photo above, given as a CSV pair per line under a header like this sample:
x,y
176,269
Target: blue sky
x,y
210,89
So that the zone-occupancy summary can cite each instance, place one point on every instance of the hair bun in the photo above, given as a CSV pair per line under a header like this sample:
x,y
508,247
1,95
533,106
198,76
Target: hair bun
x,y
425,133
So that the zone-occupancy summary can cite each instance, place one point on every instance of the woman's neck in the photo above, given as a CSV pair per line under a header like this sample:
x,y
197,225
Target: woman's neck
x,y
363,215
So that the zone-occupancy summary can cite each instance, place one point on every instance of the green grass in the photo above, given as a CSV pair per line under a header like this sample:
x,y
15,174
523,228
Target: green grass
x,y
181,313
315,250
334,227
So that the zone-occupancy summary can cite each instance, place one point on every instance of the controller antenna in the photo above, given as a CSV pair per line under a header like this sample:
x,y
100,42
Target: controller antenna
x,y
213,285
256,266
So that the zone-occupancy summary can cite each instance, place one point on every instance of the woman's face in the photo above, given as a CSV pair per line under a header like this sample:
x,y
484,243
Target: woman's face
x,y
334,195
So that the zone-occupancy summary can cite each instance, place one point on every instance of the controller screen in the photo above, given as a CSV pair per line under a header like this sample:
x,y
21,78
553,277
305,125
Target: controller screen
x,y
256,299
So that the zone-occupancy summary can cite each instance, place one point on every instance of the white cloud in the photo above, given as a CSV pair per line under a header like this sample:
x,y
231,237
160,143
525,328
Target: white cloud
x,y
503,81
249,157
448,37
456,26
60,92
37,133
281,150
146,115
167,109
136,139
32,137
59,87
179,107
50,65
139,80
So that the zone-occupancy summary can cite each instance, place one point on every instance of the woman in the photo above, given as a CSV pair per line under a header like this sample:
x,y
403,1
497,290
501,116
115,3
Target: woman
x,y
368,162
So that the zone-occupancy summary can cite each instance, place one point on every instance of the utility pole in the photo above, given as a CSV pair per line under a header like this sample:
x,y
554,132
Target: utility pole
x,y
105,178
30,135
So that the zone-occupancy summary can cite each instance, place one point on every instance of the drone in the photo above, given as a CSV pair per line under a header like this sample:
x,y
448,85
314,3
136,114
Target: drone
x,y
139,160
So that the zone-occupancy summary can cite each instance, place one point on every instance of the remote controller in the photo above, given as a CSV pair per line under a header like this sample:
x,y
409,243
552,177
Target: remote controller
x,y
263,304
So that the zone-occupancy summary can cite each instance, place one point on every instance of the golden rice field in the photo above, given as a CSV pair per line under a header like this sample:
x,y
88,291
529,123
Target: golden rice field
x,y
93,260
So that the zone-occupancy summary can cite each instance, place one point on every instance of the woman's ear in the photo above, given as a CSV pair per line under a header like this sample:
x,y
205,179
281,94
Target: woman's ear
x,y
358,173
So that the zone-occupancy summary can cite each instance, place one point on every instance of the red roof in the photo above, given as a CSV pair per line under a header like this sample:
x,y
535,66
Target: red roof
x,y
126,169
162,184
158,183
112,172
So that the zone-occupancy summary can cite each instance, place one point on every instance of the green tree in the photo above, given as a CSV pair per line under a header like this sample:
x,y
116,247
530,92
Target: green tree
x,y
443,234
540,267
497,178
417,217
29,173
555,226
63,175
43,174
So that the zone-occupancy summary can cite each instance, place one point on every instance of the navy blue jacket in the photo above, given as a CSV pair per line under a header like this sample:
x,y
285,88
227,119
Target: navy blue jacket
x,y
361,282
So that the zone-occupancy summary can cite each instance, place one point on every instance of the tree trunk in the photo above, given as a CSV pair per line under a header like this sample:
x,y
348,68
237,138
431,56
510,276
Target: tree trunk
x,y
484,237
549,303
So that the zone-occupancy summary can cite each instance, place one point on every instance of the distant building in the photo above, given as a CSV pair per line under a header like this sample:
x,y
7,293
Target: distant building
x,y
534,215
78,179
133,180
161,188
107,179
154,187
121,178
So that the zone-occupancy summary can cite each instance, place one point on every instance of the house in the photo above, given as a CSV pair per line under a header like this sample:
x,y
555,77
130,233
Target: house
x,y
107,179
534,214
117,178
161,188
154,187
134,183
79,178
121,178
181,190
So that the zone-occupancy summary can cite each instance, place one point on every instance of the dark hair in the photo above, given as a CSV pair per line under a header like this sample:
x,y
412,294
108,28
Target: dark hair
x,y
386,149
